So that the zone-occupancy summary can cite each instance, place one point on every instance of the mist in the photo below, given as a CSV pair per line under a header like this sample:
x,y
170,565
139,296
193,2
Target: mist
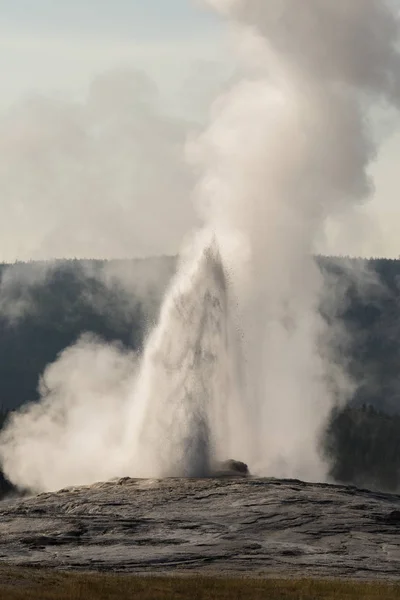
x,y
241,363
100,177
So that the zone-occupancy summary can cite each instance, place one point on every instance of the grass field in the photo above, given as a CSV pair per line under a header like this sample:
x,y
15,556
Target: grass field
x,y
37,584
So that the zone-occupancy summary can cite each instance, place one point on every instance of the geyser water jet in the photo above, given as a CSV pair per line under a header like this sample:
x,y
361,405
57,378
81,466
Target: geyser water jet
x,y
186,383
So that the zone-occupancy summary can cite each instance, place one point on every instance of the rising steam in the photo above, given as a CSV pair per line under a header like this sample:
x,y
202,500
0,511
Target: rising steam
x,y
102,415
285,154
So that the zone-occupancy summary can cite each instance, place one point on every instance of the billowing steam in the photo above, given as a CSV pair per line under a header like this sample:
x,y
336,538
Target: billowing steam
x,y
83,172
241,363
102,416
286,154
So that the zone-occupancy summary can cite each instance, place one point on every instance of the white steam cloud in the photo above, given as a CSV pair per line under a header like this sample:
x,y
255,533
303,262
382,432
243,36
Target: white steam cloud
x,y
102,177
241,363
287,151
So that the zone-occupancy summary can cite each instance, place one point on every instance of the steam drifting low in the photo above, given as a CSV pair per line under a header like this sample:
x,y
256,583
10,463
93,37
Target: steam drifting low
x,y
241,362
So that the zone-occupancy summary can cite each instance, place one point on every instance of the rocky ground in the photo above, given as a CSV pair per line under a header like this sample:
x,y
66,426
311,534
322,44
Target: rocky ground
x,y
221,525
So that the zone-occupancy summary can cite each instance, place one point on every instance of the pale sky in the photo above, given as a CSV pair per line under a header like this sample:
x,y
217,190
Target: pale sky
x,y
54,50
59,45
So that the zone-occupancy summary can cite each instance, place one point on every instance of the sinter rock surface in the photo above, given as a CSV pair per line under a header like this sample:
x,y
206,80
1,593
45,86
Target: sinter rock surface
x,y
226,525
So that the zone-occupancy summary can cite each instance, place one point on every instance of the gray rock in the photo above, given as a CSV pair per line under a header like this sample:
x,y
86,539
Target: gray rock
x,y
233,526
231,468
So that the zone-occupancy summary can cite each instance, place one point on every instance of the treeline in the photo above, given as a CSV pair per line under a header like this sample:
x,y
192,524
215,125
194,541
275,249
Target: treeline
x,y
362,445
5,486
369,313
46,308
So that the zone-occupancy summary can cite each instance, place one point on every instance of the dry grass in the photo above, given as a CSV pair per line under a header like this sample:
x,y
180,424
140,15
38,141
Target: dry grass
x,y
37,584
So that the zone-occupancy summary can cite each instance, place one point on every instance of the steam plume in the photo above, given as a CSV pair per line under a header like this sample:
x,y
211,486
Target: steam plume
x,y
286,152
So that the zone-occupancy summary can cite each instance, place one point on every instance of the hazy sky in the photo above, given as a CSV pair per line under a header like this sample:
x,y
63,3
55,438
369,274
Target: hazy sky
x,y
58,45
55,49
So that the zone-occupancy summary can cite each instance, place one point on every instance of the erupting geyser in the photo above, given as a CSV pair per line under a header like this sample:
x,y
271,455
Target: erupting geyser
x,y
286,155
